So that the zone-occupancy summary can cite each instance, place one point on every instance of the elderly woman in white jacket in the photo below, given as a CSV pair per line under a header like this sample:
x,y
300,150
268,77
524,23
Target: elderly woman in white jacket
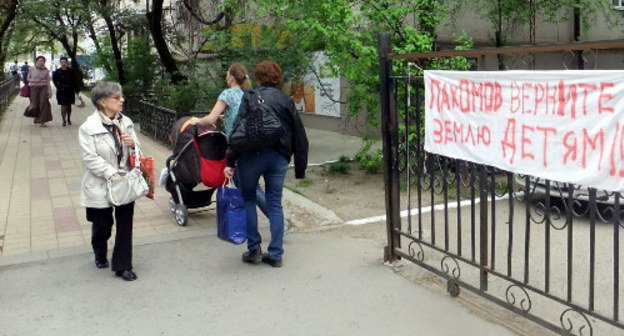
x,y
106,138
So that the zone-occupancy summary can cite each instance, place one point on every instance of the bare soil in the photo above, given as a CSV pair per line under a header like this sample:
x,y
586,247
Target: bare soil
x,y
353,194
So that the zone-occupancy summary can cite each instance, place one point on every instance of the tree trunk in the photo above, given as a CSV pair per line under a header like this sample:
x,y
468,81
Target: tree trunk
x,y
499,35
10,13
121,73
154,17
577,35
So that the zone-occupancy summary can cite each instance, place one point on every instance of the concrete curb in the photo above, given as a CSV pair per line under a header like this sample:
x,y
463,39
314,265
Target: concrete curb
x,y
303,213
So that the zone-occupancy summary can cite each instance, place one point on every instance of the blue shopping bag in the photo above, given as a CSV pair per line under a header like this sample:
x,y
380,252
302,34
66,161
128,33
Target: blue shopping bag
x,y
231,215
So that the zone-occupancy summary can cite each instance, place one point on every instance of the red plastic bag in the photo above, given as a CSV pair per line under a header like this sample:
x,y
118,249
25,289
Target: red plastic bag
x,y
25,91
147,168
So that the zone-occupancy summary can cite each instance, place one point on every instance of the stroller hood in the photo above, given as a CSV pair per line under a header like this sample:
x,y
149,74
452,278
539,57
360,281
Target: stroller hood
x,y
211,145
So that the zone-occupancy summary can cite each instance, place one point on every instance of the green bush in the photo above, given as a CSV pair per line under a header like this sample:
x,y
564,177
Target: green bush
x,y
371,163
338,168
140,66
193,95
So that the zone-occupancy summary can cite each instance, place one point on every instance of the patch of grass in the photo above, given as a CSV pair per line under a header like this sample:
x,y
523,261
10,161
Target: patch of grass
x,y
306,182
338,168
329,190
293,189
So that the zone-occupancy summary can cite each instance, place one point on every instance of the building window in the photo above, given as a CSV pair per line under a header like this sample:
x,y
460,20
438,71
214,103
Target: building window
x,y
618,4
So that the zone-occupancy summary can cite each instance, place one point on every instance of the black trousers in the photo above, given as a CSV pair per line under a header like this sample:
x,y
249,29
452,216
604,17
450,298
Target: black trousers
x,y
102,220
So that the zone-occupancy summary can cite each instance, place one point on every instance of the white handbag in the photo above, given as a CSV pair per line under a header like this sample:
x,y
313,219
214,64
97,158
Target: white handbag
x,y
128,186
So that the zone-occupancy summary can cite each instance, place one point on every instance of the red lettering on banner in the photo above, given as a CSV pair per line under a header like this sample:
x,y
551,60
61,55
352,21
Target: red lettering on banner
x,y
465,96
447,131
613,169
546,130
564,100
454,101
484,136
434,89
515,97
470,134
489,93
622,149
498,96
458,128
605,96
477,92
571,148
445,97
525,95
539,96
509,140
586,88
587,140
525,140
551,98
437,132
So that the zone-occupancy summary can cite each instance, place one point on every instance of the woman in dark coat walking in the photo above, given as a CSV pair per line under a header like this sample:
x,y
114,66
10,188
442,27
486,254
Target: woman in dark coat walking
x,y
66,89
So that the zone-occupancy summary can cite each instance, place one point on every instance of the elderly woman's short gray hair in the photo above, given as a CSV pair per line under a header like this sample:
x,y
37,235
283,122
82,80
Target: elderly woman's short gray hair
x,y
102,90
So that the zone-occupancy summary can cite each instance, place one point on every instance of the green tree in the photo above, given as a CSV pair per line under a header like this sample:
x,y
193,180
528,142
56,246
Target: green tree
x,y
7,16
347,31
61,20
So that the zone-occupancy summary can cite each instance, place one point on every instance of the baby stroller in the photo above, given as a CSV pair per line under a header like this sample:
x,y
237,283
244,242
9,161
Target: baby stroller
x,y
198,157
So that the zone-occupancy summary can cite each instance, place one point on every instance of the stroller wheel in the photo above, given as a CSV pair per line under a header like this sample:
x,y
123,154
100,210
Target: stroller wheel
x,y
172,205
181,215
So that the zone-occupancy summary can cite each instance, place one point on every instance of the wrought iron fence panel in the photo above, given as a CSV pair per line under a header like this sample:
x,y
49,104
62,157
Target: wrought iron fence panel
x,y
156,121
546,250
8,89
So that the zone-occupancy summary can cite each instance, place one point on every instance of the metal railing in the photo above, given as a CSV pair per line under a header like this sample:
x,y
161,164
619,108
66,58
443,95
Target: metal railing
x,y
156,121
8,89
546,250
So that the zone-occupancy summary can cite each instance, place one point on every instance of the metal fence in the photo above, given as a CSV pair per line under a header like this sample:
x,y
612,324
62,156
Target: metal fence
x,y
8,89
546,250
156,121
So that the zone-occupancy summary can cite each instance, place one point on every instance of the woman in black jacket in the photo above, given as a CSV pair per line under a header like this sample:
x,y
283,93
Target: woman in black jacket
x,y
66,89
270,162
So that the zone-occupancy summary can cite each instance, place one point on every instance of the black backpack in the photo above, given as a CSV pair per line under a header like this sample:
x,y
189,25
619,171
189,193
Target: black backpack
x,y
259,128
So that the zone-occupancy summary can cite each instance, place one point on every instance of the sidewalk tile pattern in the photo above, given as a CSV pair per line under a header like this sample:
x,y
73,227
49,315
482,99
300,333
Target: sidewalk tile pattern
x,y
41,170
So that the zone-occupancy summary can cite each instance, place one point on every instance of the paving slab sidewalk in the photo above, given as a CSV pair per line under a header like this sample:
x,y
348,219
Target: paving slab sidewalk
x,y
41,169
330,285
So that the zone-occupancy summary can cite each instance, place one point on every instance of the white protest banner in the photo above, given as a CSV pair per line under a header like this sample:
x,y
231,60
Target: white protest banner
x,y
561,125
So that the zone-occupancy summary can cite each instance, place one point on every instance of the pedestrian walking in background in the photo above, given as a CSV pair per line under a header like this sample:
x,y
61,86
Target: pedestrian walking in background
x,y
13,68
24,70
269,160
105,139
227,105
40,93
66,89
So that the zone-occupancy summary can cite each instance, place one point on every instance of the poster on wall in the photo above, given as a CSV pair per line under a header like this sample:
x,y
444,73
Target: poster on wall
x,y
318,91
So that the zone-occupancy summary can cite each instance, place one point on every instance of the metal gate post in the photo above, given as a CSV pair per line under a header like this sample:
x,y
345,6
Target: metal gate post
x,y
389,127
483,215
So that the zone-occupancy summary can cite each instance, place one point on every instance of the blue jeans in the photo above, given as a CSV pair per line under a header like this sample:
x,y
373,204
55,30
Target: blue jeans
x,y
272,166
260,197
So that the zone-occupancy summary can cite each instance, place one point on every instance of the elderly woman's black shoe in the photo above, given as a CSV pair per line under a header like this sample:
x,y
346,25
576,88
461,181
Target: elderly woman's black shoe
x,y
101,263
126,275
